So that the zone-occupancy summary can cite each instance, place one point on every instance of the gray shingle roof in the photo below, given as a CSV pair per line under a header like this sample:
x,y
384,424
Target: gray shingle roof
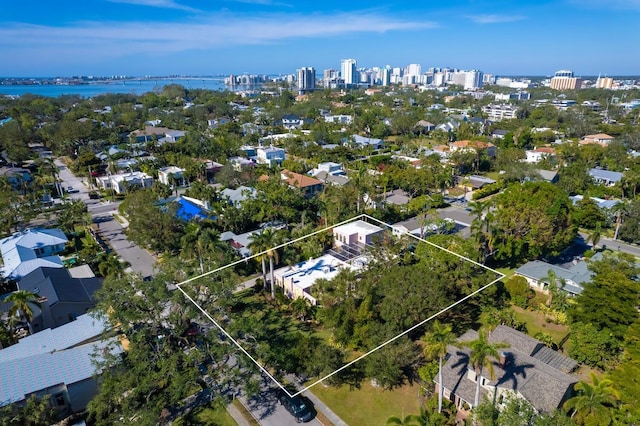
x,y
528,369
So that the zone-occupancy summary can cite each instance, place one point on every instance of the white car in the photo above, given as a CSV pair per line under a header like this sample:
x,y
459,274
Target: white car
x,y
72,190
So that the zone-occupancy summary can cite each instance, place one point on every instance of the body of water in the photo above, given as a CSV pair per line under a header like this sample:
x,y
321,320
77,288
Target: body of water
x,y
135,87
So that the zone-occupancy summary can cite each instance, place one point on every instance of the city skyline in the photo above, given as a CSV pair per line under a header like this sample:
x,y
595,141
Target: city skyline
x,y
170,37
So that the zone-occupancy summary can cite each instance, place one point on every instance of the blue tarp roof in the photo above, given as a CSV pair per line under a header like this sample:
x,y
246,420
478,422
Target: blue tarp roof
x,y
188,211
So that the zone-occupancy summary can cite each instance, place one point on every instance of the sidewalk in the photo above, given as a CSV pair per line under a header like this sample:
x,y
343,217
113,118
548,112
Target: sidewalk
x,y
237,415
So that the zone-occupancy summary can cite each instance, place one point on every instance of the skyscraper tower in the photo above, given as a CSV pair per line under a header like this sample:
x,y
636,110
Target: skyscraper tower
x,y
348,71
306,79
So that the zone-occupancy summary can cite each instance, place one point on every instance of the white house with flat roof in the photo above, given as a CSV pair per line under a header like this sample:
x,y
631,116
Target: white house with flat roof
x,y
270,155
297,280
357,232
121,182
165,175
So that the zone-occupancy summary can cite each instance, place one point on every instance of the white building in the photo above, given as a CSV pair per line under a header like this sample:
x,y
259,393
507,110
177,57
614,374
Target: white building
x,y
297,280
340,119
499,112
473,80
358,232
348,71
306,79
171,175
121,182
270,155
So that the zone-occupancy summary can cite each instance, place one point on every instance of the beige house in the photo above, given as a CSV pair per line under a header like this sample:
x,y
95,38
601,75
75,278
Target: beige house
x,y
358,232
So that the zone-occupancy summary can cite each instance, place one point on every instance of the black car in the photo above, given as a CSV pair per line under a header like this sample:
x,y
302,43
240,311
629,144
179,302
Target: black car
x,y
298,406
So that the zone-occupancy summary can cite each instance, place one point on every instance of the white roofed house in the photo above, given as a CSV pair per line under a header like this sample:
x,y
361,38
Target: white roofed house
x,y
120,183
356,233
25,251
538,154
297,280
171,175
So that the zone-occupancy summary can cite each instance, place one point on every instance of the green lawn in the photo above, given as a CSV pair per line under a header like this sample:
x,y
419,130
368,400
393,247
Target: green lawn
x,y
536,323
369,405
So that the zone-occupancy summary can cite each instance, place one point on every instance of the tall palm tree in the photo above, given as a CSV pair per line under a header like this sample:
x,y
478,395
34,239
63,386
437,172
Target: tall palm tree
x,y
436,342
23,303
482,351
258,245
594,401
272,239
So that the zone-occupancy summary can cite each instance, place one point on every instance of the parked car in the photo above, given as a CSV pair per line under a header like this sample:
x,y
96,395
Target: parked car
x,y
298,406
94,195
72,190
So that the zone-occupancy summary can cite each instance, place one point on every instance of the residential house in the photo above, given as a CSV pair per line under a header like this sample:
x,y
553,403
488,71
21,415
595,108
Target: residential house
x,y
448,126
68,375
120,183
193,209
237,196
356,233
160,134
527,369
240,163
601,202
605,177
64,294
239,242
330,173
213,123
308,185
473,146
363,142
549,175
397,197
601,139
298,279
16,176
25,251
424,126
499,133
339,119
573,274
292,122
478,182
270,155
442,150
538,154
171,175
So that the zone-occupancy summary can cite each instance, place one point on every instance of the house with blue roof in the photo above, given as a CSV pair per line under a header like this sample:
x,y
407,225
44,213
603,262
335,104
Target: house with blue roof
x,y
193,209
574,275
67,376
28,250
605,177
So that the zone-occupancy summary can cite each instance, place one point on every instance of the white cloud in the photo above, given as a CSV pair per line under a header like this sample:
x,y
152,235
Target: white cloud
x,y
495,19
165,4
118,39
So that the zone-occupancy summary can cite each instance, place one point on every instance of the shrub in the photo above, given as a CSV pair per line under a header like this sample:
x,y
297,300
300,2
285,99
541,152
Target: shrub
x,y
519,291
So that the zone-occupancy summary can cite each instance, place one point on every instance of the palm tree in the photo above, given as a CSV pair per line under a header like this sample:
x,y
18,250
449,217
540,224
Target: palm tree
x,y
594,237
272,238
258,245
23,303
436,342
481,353
593,403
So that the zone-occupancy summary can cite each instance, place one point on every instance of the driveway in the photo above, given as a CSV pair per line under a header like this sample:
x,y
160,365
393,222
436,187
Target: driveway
x,y
140,260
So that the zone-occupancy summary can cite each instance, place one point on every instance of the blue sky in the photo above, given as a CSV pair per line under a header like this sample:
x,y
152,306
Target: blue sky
x,y
207,37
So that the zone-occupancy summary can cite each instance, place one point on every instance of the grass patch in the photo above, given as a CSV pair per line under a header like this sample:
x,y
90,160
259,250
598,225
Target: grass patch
x,y
369,405
208,416
536,324
247,416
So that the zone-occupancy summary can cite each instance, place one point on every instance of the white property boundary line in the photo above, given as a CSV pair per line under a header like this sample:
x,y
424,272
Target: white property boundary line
x,y
359,217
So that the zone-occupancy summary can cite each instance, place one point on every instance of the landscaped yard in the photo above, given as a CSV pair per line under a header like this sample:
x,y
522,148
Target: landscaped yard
x,y
536,323
369,405
209,416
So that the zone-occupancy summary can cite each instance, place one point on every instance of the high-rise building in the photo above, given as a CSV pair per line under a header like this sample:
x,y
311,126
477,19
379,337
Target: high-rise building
x,y
564,80
348,72
473,80
604,82
306,79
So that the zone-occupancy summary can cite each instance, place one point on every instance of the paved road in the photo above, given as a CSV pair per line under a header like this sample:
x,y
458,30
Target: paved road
x,y
614,245
140,260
